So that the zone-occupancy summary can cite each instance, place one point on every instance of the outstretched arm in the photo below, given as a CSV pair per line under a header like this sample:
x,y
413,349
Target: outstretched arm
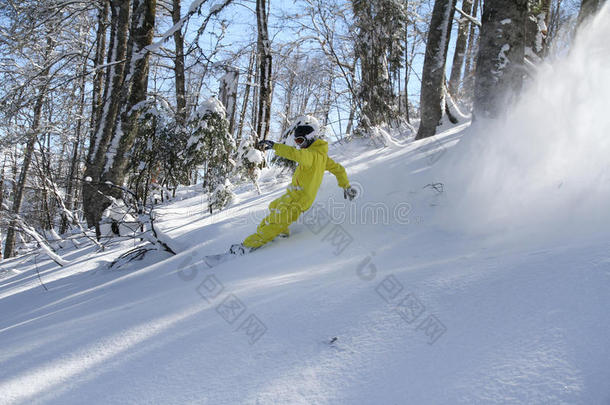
x,y
339,172
302,157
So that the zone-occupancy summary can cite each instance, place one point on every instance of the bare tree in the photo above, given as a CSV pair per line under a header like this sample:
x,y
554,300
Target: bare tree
x,y
29,149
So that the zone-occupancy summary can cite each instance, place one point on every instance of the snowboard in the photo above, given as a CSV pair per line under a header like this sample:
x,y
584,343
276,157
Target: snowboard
x,y
215,260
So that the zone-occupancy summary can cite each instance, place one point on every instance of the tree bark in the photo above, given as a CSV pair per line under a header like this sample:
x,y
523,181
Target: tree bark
x,y
460,48
433,76
499,72
264,71
179,66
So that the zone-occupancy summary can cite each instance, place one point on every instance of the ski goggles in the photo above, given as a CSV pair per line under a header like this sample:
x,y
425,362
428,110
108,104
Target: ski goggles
x,y
301,132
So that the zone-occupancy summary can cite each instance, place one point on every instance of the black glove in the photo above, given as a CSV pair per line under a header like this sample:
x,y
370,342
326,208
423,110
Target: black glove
x,y
350,193
265,145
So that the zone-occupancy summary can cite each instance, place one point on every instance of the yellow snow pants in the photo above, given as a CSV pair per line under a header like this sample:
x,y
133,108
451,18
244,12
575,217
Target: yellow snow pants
x,y
283,212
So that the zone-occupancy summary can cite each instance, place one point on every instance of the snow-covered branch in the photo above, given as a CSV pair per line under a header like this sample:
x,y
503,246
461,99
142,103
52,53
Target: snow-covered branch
x,y
469,17
38,238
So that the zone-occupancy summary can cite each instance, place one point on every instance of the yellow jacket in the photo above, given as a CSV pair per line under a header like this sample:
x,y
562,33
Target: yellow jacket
x,y
313,162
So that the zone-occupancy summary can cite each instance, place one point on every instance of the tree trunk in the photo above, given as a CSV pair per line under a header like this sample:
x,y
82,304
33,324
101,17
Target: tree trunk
x,y
228,95
27,161
409,56
44,174
244,108
254,112
471,51
375,92
288,95
2,179
460,47
135,90
2,198
94,203
328,100
127,90
587,9
14,171
264,71
499,72
179,65
98,78
74,159
433,76
350,119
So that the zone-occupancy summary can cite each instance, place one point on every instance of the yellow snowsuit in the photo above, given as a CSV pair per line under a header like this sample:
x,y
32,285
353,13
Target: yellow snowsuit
x,y
313,162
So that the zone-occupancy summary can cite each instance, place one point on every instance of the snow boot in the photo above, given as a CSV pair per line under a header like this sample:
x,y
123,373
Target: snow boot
x,y
239,249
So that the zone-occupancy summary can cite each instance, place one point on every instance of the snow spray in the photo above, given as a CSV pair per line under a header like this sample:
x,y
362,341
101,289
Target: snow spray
x,y
545,165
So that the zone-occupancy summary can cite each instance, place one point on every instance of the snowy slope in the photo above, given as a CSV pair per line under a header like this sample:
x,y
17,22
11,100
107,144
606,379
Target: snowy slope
x,y
421,314
466,296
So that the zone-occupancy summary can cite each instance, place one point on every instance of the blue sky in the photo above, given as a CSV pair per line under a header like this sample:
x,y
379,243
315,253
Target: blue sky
x,y
240,33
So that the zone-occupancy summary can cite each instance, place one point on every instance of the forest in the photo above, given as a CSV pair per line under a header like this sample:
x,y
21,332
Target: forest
x,y
109,105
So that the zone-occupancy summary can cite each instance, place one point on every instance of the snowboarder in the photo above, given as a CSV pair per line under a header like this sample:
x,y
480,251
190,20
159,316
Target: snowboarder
x,y
312,158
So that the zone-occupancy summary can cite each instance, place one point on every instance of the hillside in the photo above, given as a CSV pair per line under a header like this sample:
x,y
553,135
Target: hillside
x,y
473,269
421,314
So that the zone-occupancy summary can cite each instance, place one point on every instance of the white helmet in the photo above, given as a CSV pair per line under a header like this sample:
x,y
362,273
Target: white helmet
x,y
306,129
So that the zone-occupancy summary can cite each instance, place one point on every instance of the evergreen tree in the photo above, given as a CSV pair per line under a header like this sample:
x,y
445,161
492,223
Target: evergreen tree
x,y
211,145
249,161
156,158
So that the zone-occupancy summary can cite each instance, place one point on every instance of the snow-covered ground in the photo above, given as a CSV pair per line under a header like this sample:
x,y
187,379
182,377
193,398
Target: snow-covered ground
x,y
421,314
493,289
